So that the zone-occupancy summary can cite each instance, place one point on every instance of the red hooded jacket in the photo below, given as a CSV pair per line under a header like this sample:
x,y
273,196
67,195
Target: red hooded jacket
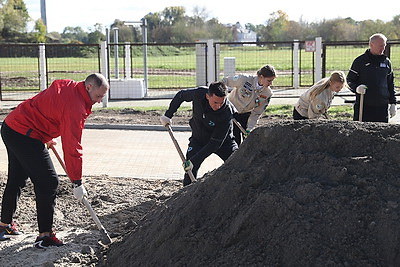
x,y
60,110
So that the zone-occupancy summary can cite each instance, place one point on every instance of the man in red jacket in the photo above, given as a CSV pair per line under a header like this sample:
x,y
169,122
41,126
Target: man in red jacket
x,y
60,110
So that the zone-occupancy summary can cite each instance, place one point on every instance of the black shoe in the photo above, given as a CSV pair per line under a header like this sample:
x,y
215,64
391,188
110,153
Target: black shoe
x,y
47,241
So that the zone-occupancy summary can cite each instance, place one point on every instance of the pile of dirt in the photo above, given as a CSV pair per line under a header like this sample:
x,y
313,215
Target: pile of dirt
x,y
297,193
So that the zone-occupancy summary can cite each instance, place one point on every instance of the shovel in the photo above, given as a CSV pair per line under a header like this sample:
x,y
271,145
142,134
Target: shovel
x,y
189,172
106,238
240,127
360,113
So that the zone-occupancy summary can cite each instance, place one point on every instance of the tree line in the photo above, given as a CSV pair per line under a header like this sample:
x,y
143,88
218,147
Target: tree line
x,y
173,25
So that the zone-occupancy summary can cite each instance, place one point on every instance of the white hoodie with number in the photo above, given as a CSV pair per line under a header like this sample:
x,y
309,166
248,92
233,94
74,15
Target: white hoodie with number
x,y
248,96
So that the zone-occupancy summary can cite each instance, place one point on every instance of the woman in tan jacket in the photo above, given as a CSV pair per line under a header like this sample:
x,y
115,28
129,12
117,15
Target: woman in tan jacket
x,y
317,100
250,96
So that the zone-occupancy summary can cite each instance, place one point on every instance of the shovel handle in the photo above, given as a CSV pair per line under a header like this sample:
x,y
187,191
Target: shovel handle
x,y
106,238
171,134
360,113
240,127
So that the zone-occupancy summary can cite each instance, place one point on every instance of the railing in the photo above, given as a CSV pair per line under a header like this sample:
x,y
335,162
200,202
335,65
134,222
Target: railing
x,y
174,66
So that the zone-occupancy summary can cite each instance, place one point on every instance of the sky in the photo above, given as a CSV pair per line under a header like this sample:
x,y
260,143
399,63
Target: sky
x,y
86,13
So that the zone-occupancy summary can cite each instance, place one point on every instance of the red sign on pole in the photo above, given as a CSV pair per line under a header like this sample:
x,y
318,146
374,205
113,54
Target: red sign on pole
x,y
310,46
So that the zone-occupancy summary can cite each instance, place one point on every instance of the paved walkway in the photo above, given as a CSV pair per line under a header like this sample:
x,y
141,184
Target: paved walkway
x,y
147,153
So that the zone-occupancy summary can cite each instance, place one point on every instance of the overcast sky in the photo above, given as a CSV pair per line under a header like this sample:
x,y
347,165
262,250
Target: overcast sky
x,y
86,13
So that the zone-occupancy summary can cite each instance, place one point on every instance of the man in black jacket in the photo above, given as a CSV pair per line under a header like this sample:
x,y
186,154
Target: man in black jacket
x,y
371,75
211,124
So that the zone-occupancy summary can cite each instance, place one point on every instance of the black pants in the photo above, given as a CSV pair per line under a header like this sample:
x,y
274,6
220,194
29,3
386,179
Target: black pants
x,y
242,118
371,114
227,148
297,116
28,157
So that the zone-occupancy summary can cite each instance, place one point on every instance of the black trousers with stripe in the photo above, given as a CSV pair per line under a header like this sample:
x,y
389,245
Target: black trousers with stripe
x,y
28,158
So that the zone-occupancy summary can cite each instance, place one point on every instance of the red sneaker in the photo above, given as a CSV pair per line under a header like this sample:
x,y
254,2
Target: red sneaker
x,y
47,241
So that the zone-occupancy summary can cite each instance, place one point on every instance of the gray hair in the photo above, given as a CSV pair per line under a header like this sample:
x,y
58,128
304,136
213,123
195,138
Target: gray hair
x,y
377,36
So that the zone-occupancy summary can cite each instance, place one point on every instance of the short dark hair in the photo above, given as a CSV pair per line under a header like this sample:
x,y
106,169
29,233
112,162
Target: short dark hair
x,y
97,79
267,71
218,88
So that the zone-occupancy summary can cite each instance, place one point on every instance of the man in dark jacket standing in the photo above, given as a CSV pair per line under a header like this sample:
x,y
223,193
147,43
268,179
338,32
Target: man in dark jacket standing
x,y
371,75
211,124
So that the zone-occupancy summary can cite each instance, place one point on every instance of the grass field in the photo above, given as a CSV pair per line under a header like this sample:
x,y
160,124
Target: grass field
x,y
174,67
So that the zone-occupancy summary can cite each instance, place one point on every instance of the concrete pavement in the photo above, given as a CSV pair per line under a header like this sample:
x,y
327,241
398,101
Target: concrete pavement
x,y
129,153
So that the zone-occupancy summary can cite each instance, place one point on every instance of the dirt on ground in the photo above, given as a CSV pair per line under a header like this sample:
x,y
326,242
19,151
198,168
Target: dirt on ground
x,y
304,193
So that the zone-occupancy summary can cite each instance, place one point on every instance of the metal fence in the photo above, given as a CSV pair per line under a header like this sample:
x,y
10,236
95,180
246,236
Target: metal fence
x,y
169,66
172,66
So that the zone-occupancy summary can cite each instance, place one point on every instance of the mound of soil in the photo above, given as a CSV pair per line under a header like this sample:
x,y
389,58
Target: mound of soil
x,y
308,193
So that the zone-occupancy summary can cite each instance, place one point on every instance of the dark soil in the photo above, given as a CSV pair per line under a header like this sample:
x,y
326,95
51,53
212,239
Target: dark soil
x,y
310,193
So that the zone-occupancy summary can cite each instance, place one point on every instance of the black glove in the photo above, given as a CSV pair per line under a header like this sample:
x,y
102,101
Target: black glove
x,y
77,183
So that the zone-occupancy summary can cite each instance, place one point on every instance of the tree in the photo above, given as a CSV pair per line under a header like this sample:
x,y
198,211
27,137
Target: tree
x,y
40,34
15,17
74,34
171,15
276,24
96,35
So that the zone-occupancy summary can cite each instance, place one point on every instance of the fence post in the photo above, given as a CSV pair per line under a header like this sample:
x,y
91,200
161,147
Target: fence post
x,y
296,70
145,70
210,62
201,61
318,58
104,69
42,67
229,66
128,61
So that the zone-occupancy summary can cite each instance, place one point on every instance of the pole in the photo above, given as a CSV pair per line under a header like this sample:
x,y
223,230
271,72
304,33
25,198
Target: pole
x,y
106,238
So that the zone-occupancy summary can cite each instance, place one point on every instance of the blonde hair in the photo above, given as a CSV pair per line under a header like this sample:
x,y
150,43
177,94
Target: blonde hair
x,y
321,85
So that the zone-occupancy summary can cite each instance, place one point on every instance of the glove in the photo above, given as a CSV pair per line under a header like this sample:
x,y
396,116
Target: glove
x,y
165,120
187,165
361,89
392,110
51,143
80,192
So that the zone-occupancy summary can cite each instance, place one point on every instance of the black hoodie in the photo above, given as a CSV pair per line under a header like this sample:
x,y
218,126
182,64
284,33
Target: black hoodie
x,y
374,71
212,128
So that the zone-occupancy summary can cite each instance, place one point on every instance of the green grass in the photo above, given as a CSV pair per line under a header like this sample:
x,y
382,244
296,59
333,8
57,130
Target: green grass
x,y
344,112
167,63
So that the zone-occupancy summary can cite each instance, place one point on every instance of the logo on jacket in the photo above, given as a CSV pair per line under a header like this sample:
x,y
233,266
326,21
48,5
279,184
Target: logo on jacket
x,y
211,123
247,86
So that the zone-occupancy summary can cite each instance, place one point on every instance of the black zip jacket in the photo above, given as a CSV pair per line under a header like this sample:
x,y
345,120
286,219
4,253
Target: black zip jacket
x,y
375,71
212,128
